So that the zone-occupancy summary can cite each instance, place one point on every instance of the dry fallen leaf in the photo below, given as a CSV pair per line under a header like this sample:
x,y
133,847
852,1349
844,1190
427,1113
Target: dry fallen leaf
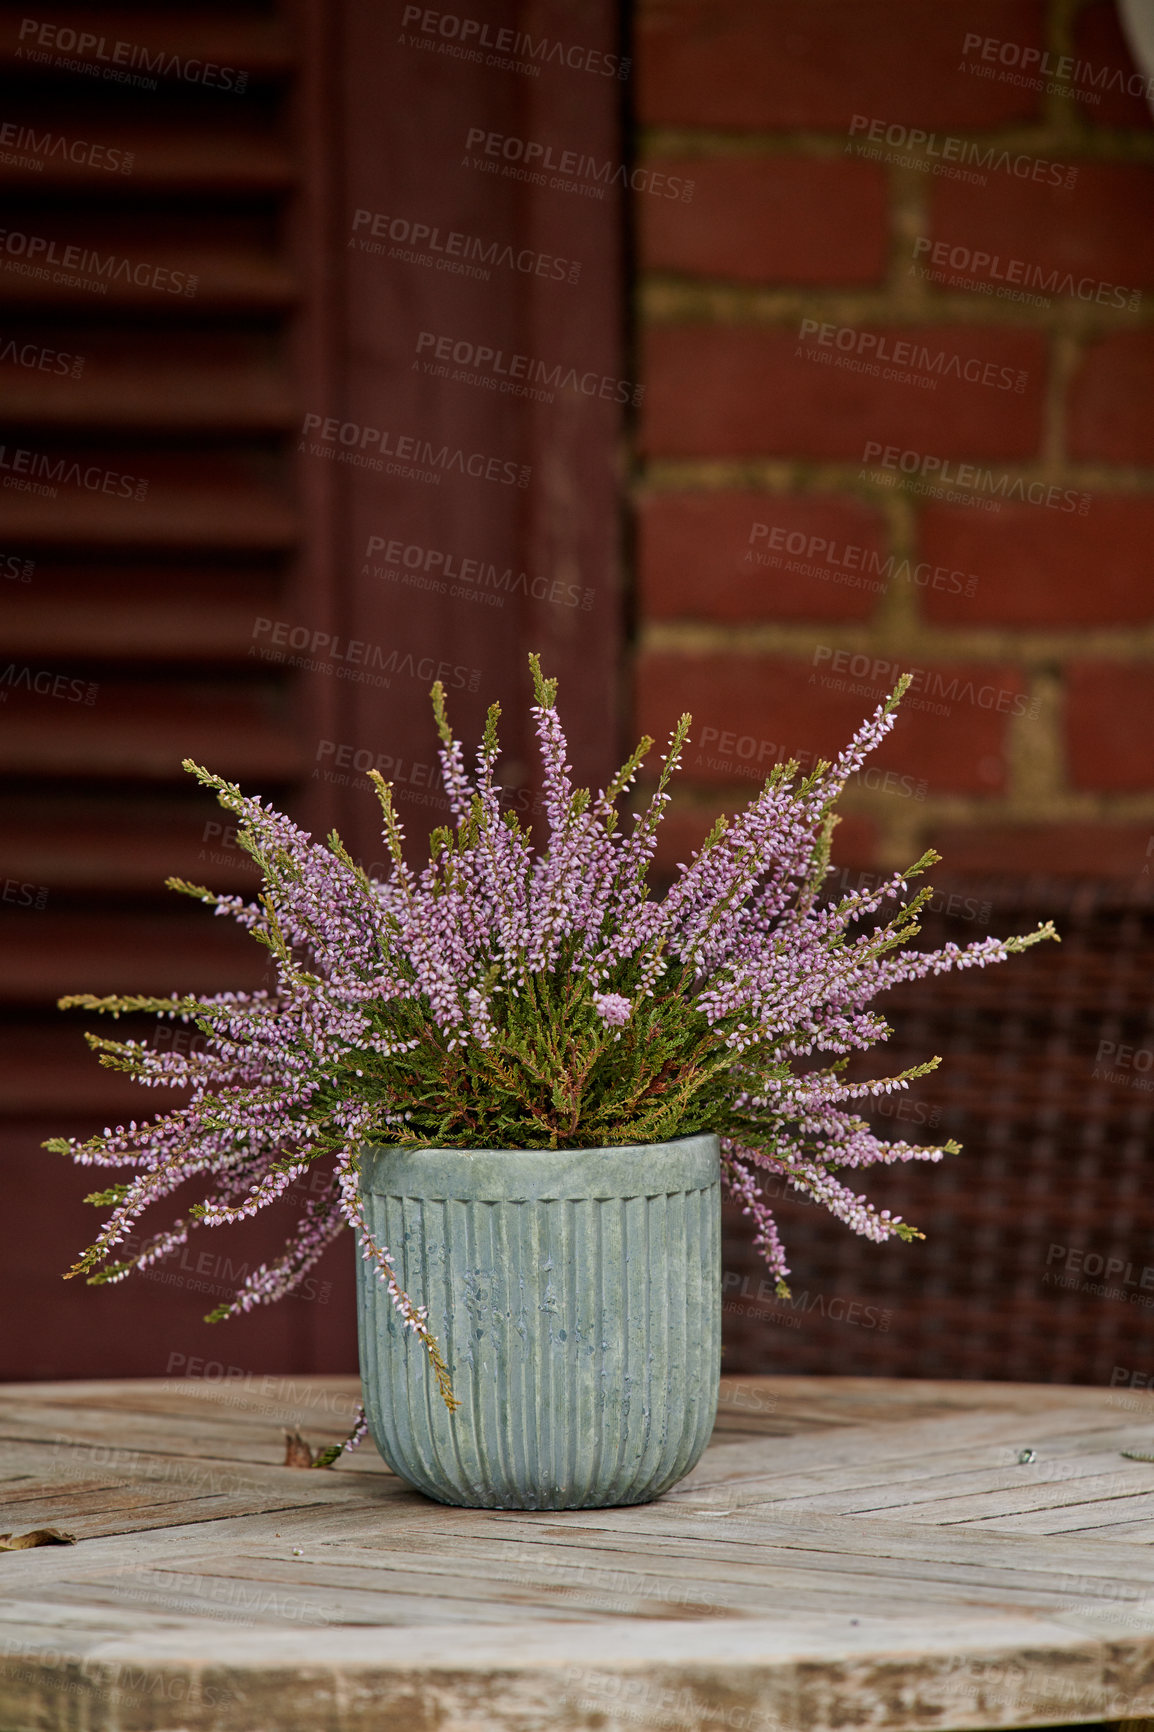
x,y
296,1451
298,1454
37,1537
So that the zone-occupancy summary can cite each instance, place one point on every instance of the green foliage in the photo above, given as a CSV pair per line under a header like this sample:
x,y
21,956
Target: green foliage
x,y
554,1075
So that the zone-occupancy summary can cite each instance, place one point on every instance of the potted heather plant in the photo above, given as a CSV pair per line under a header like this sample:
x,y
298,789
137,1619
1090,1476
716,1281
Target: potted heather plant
x,y
527,1079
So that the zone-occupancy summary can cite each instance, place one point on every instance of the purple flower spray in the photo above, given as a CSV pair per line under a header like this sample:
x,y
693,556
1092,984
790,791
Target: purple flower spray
x,y
504,996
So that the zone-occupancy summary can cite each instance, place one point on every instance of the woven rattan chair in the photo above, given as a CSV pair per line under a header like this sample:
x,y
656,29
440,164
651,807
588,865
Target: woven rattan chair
x,y
1038,1260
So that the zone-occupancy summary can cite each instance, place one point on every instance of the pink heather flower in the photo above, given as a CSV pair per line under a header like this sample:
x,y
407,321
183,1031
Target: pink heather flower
x,y
386,996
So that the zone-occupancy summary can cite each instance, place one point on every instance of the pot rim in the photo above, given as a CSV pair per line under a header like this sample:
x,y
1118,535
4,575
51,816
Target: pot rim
x,y
690,1163
567,1150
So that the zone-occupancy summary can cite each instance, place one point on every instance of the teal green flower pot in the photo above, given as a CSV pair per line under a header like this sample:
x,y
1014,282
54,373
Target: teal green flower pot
x,y
576,1297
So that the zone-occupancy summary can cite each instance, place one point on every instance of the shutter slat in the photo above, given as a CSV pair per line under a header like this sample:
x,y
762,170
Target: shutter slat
x,y
142,733
183,614
259,45
162,280
112,846
46,148
173,515
194,393
49,955
42,1064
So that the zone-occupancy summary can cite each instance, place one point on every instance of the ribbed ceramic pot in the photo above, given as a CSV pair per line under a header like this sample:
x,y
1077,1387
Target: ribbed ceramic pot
x,y
576,1297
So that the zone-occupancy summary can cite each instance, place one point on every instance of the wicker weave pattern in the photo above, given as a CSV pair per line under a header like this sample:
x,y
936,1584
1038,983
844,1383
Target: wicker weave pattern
x,y
1057,1160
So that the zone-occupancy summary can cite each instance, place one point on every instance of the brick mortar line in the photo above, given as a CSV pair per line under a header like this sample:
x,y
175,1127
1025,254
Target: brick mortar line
x,y
795,477
1063,361
909,216
904,829
1036,767
1061,805
1120,147
1029,648
704,798
664,298
895,610
1061,107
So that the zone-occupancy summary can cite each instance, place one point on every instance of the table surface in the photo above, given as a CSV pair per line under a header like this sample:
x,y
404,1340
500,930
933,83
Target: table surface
x,y
851,1553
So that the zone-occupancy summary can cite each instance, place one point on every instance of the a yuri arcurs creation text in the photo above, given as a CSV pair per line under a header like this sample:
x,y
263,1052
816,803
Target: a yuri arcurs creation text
x,y
504,996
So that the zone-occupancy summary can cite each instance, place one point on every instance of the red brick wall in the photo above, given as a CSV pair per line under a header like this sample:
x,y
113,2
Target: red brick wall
x,y
899,414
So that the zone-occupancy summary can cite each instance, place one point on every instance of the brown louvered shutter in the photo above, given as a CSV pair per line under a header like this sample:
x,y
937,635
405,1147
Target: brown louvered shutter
x,y
157,306
219,306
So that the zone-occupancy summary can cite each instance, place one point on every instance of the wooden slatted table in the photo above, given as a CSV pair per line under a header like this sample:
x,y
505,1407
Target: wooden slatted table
x,y
851,1553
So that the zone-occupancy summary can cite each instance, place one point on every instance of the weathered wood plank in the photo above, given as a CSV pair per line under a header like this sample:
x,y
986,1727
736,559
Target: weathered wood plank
x,y
908,1447
796,1672
957,1495
1074,1518
849,1552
